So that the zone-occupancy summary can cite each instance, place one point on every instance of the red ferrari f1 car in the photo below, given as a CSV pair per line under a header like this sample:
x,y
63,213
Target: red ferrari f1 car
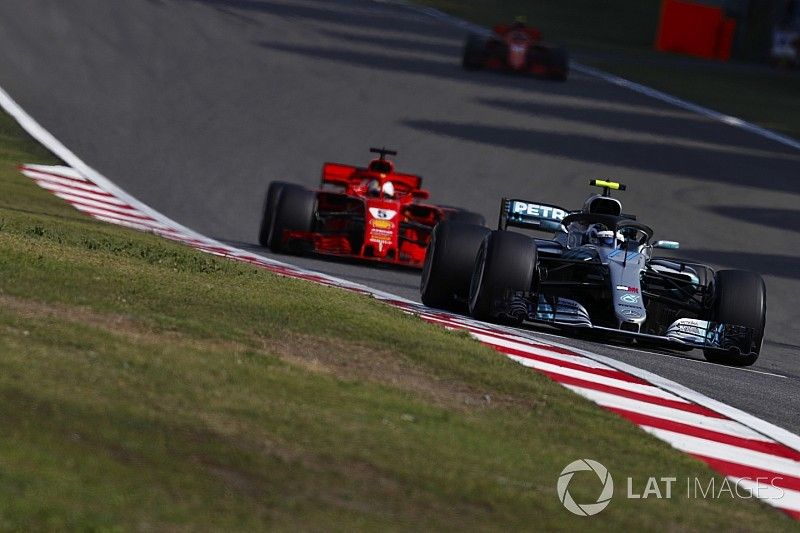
x,y
516,48
370,213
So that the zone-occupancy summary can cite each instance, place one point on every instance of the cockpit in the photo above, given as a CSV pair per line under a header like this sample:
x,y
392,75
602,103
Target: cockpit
x,y
377,189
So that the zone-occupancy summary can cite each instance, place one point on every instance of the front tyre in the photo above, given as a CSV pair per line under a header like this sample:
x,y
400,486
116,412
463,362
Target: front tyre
x,y
449,260
295,211
474,53
505,261
558,64
268,213
740,299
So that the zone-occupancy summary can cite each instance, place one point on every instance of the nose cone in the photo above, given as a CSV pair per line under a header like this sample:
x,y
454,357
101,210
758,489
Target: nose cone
x,y
626,291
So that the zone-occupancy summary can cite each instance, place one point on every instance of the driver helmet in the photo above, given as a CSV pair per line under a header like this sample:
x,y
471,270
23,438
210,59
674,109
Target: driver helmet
x,y
374,188
388,190
600,235
520,21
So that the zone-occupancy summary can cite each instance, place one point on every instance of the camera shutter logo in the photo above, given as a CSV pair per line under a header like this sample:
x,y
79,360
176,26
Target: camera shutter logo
x,y
585,509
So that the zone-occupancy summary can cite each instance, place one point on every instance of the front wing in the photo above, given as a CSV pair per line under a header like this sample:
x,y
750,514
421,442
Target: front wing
x,y
337,246
683,334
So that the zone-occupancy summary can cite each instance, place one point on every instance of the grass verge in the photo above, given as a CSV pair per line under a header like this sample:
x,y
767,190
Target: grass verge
x,y
617,36
148,386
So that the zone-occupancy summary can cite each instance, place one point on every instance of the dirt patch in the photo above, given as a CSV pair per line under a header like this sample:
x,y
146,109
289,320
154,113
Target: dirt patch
x,y
354,361
35,309
236,480
307,469
337,357
129,326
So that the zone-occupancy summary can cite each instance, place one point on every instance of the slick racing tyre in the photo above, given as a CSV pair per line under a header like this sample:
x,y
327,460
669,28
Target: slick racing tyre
x,y
467,217
505,261
448,264
558,63
270,204
474,53
740,299
295,210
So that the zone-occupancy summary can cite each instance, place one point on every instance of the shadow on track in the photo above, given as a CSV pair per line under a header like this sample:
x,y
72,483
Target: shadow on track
x,y
694,127
447,69
783,266
698,163
765,216
405,44
673,155
388,18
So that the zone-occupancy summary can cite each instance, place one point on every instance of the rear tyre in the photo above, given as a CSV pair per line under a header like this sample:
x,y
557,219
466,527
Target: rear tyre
x,y
474,53
448,265
506,260
740,298
295,211
270,203
467,217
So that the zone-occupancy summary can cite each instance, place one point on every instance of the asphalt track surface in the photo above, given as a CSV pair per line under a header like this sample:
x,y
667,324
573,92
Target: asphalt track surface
x,y
193,106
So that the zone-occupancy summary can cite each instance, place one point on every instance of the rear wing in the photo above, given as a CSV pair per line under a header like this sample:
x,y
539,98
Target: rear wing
x,y
344,175
530,215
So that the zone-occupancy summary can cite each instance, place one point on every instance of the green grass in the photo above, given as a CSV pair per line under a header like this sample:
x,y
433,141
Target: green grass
x,y
767,98
144,385
618,35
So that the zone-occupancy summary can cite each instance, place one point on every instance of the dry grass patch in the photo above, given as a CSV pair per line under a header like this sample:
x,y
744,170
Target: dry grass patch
x,y
356,361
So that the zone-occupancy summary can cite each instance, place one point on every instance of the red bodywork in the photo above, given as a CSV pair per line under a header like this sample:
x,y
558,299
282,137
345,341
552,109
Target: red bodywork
x,y
518,42
351,222
518,48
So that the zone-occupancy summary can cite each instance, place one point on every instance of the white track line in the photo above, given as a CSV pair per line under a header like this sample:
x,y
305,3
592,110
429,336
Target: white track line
x,y
689,106
52,182
729,427
725,452
772,431
779,497
81,193
671,356
617,80
602,380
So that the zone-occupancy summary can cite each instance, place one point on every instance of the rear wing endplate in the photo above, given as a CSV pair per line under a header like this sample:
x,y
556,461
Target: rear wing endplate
x,y
337,174
530,215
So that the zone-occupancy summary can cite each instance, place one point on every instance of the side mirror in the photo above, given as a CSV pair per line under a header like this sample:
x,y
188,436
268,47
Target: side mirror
x,y
667,245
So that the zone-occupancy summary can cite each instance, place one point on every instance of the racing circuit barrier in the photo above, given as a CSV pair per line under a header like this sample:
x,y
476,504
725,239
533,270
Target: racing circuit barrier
x,y
695,29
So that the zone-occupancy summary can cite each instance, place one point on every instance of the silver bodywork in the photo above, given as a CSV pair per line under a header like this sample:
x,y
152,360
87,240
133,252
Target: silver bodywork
x,y
625,266
614,269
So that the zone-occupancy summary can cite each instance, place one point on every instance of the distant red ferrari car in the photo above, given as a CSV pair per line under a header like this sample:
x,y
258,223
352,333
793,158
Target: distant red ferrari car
x,y
516,48
370,213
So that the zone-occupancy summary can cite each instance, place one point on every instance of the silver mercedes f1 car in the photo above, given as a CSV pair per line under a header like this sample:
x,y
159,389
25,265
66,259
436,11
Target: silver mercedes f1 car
x,y
597,275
